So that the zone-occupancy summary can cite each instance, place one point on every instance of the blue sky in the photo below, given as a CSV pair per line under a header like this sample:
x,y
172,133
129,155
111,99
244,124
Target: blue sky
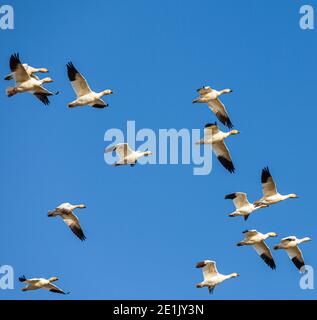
x,y
147,226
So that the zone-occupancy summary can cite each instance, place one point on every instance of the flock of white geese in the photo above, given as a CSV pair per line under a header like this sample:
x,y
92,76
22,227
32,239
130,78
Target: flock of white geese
x,y
26,80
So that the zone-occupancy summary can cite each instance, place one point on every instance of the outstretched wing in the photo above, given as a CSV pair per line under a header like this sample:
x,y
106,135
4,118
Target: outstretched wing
x,y
72,221
239,199
220,111
42,94
209,268
122,149
250,233
18,70
295,254
223,155
78,82
204,90
210,130
268,184
42,97
265,253
52,288
100,104
23,279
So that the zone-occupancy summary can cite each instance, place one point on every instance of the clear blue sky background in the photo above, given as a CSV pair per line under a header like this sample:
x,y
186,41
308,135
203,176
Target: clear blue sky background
x,y
147,226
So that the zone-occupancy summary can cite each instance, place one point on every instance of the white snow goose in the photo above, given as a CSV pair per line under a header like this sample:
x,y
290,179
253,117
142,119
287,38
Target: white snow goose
x,y
65,211
243,207
211,275
41,283
211,97
30,71
290,244
270,194
26,83
85,96
127,156
257,240
215,137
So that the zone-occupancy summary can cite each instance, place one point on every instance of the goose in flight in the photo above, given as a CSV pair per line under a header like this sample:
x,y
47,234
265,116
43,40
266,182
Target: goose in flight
x,y
215,137
243,207
65,211
30,71
256,239
211,275
41,283
270,194
85,96
290,244
127,155
26,83
211,97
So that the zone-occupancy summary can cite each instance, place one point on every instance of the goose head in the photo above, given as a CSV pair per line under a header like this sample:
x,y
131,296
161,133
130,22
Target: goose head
x,y
107,92
47,80
306,239
226,91
232,132
51,213
43,70
147,153
293,195
53,279
234,275
272,234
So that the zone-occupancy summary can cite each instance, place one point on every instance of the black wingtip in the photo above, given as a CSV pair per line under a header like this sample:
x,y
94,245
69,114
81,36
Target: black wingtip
x,y
71,71
82,237
266,174
227,164
22,279
14,61
229,124
100,106
200,89
269,261
231,196
208,125
299,264
200,264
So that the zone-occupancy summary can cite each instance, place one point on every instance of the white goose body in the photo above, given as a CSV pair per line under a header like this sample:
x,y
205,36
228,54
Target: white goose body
x,y
291,245
270,194
214,280
40,283
216,139
90,99
26,83
243,207
127,156
31,85
256,239
212,277
211,97
275,198
85,96
65,211
30,71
